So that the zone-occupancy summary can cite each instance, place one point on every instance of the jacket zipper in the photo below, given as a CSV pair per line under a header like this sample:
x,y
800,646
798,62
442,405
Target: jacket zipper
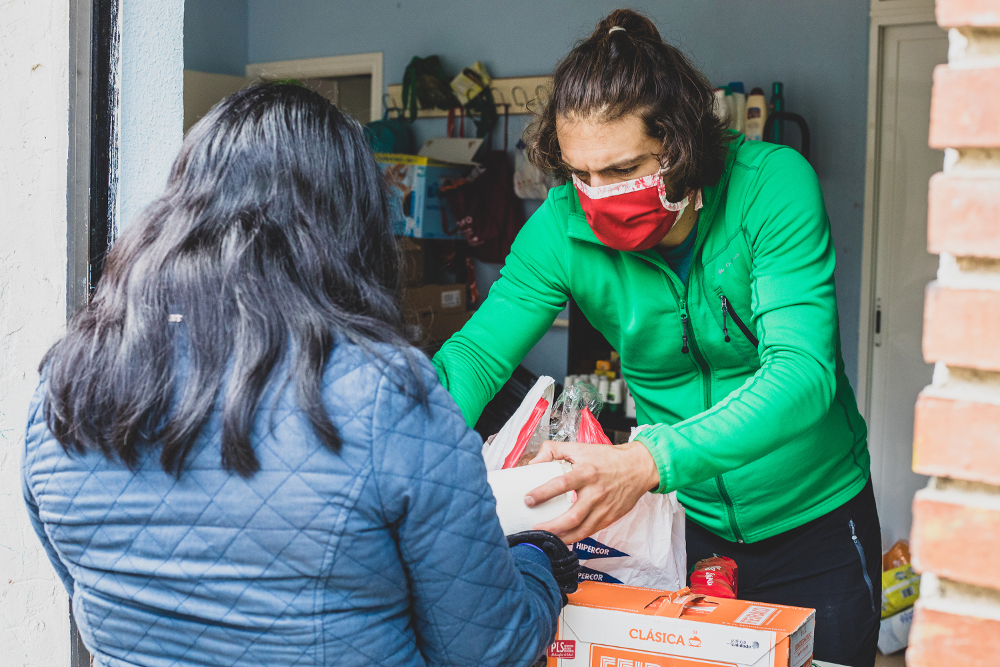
x,y
864,563
728,308
692,347
707,382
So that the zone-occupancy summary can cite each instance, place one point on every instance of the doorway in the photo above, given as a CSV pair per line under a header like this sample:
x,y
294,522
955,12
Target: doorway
x,y
897,266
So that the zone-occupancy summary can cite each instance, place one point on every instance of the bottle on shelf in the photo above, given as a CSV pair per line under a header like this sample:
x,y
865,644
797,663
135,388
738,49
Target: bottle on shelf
x,y
739,105
777,104
756,115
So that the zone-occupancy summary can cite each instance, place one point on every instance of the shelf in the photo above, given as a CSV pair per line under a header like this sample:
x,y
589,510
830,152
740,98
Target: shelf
x,y
535,91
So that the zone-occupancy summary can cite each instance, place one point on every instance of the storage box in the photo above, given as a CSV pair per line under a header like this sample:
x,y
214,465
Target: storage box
x,y
414,202
608,625
435,312
437,298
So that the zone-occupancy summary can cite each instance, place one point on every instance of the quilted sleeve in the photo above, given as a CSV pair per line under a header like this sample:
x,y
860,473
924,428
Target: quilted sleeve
x,y
472,602
37,429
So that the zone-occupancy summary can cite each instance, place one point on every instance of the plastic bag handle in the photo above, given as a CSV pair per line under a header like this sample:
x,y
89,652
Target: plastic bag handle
x,y
674,607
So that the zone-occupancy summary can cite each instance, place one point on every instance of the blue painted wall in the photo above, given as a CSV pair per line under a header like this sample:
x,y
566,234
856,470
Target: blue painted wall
x,y
215,36
818,48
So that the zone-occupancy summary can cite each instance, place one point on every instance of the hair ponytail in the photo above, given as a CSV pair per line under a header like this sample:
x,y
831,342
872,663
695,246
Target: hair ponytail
x,y
633,24
614,73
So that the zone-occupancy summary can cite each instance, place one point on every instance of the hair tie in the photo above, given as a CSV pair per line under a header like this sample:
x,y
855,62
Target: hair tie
x,y
613,28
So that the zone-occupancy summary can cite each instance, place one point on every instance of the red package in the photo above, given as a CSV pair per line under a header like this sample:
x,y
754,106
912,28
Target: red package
x,y
715,576
590,430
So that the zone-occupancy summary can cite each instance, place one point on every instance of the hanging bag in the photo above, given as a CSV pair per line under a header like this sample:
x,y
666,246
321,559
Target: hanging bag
x,y
484,205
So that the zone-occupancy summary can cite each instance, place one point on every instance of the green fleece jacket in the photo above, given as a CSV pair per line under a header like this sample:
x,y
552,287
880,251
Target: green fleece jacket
x,y
739,370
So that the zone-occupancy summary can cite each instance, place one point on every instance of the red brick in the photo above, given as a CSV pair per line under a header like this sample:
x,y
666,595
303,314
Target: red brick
x,y
959,439
963,216
961,13
965,108
940,639
962,327
956,541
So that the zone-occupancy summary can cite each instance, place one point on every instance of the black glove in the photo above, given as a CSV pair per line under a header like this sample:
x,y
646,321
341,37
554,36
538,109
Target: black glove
x,y
565,564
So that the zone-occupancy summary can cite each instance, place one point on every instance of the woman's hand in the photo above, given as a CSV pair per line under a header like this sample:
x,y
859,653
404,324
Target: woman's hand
x,y
608,480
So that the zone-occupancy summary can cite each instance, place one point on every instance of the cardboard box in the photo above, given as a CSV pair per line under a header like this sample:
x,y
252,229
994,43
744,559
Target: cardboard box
x,y
436,298
429,326
414,202
894,632
411,270
435,312
608,625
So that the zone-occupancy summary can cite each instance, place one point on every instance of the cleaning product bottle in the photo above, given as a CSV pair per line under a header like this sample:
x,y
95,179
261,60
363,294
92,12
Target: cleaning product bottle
x,y
756,115
739,104
777,104
720,104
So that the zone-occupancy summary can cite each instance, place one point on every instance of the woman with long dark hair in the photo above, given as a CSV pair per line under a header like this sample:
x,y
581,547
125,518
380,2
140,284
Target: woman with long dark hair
x,y
706,260
234,458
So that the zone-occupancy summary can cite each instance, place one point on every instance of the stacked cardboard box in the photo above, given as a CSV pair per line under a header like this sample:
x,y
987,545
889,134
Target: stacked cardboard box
x,y
433,312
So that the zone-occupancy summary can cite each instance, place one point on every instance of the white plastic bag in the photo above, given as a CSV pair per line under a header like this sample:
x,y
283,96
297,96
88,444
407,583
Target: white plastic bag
x,y
646,547
530,182
503,446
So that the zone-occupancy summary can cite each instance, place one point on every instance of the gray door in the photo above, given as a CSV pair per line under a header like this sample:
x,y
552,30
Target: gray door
x,y
903,267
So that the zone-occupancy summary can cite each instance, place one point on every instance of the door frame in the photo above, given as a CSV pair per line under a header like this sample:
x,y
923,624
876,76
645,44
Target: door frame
x,y
884,14
357,64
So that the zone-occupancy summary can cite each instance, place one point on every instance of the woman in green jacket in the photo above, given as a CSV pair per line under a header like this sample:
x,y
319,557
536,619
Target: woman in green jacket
x,y
707,262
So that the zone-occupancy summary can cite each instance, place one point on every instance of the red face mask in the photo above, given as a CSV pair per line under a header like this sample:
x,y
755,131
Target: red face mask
x,y
631,215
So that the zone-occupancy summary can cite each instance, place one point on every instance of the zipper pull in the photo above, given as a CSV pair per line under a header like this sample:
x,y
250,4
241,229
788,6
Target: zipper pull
x,y
684,336
725,330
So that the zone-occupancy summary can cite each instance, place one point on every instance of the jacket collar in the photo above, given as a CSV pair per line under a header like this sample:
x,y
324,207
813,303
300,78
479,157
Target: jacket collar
x,y
577,227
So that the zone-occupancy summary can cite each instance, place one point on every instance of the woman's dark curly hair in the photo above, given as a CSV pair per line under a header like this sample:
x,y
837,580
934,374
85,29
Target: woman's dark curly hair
x,y
614,73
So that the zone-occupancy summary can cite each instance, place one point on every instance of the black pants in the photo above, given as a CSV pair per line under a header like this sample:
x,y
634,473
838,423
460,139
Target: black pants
x,y
832,564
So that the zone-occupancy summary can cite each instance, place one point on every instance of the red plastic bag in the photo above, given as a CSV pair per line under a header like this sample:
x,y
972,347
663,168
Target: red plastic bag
x,y
525,435
590,430
716,576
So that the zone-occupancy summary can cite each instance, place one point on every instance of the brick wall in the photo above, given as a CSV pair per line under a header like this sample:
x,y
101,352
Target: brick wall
x,y
956,519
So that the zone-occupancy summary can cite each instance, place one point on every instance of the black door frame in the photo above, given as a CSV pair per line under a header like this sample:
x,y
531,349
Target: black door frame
x,y
92,170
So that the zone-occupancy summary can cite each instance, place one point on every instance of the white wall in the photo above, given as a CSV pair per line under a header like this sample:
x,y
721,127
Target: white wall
x,y
34,117
152,100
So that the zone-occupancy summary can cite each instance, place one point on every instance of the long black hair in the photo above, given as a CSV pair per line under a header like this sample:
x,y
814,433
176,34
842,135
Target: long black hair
x,y
625,67
271,242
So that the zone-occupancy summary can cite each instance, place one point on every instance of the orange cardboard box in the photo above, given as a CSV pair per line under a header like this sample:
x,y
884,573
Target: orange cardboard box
x,y
609,625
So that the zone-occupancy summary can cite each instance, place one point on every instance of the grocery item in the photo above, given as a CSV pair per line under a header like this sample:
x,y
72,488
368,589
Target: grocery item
x,y
897,555
894,632
900,589
900,584
646,546
715,576
619,626
512,484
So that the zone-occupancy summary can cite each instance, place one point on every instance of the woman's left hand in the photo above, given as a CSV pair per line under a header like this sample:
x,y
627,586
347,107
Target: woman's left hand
x,y
608,480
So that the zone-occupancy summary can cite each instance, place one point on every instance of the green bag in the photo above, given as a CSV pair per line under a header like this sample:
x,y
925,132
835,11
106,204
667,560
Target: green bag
x,y
424,80
390,135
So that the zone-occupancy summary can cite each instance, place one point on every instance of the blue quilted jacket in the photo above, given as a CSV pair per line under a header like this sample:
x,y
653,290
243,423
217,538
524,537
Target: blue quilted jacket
x,y
386,553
